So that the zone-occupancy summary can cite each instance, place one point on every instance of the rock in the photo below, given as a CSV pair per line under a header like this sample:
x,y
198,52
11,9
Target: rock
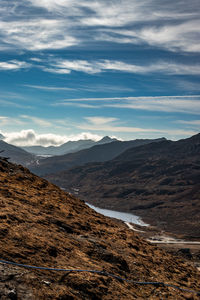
x,y
12,295
185,252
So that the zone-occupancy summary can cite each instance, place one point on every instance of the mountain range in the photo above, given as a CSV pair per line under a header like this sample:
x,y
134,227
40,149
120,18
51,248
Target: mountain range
x,y
158,181
138,176
97,153
69,147
27,157
43,226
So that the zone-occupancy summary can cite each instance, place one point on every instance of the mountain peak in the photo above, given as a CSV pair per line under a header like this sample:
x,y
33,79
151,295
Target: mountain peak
x,y
107,139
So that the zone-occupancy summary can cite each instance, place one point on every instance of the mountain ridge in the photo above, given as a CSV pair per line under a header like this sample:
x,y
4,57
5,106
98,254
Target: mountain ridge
x,y
68,147
97,153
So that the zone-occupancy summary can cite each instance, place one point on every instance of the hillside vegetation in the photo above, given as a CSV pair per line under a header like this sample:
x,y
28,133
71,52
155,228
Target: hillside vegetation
x,y
44,226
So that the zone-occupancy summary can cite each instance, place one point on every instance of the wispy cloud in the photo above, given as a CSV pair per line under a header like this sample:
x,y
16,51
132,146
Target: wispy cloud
x,y
111,125
13,65
36,120
4,121
62,66
106,87
8,103
92,67
188,105
37,34
48,88
75,104
192,123
29,121
36,59
180,104
183,36
56,70
40,24
100,120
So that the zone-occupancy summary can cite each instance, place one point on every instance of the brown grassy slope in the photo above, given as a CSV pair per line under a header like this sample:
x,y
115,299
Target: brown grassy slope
x,y
44,226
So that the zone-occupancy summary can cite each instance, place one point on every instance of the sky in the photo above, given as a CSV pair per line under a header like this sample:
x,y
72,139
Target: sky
x,y
83,69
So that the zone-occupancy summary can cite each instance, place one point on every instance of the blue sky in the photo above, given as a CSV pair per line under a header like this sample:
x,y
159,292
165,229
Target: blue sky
x,y
86,69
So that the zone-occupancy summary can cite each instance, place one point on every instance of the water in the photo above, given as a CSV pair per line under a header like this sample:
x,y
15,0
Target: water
x,y
126,217
44,155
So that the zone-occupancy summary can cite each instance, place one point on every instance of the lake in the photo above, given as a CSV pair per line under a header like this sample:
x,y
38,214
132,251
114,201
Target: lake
x,y
126,217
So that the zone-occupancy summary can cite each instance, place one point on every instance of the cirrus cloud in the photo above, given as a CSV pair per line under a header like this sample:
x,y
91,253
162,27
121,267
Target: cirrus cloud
x,y
63,66
13,65
113,125
49,24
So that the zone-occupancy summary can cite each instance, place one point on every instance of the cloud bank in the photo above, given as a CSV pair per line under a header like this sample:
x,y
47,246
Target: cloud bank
x,y
31,138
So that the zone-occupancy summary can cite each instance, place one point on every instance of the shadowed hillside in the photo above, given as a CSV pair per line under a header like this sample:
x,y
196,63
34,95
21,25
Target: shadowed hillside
x,y
44,226
16,154
98,153
158,181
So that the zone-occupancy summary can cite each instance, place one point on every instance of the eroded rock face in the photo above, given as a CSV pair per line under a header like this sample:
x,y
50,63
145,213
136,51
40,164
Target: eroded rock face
x,y
44,226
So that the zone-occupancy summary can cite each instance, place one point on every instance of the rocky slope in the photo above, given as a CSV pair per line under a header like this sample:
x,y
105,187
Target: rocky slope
x,y
44,226
158,181
99,153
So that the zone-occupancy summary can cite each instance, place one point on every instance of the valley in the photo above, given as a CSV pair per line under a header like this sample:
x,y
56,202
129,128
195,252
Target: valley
x,y
42,225
159,182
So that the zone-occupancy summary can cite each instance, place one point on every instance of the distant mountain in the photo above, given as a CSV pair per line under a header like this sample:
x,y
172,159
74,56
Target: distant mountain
x,y
16,154
69,147
106,140
97,153
158,181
